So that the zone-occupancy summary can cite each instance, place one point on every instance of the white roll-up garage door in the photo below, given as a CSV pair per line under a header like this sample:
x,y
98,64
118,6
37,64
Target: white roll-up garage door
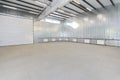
x,y
15,30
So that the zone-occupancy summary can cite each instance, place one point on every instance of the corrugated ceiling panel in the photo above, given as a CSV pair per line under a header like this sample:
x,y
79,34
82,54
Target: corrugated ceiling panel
x,y
75,8
20,6
116,1
84,4
94,3
105,2
69,10
22,3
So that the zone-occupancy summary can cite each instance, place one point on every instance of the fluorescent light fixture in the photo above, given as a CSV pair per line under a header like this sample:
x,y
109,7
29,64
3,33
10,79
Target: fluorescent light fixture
x,y
9,7
76,1
56,15
89,9
32,12
52,21
38,2
74,25
61,10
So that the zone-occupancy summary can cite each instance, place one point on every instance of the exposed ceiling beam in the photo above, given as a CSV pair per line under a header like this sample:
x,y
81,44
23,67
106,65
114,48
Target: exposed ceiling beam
x,y
72,10
20,5
16,12
89,4
100,3
50,0
79,6
112,2
55,4
30,3
26,10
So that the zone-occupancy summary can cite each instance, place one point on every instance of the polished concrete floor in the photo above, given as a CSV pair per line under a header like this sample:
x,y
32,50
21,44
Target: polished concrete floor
x,y
59,61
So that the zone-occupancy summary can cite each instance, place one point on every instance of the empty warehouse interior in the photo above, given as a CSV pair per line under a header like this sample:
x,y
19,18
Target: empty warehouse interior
x,y
59,39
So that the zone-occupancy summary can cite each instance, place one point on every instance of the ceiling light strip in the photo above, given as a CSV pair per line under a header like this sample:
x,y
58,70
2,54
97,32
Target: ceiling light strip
x,y
41,3
9,7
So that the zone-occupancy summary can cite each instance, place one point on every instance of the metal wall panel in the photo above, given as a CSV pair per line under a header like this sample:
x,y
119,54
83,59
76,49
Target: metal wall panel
x,y
112,43
105,25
